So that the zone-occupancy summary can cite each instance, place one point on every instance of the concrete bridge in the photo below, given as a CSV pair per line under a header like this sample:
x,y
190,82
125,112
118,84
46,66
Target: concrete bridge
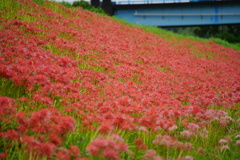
x,y
178,12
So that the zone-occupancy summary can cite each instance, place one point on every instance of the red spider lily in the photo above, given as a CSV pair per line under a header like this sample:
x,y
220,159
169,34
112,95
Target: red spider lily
x,y
110,153
150,154
140,145
193,127
37,148
11,135
63,154
187,134
3,155
80,159
74,150
105,127
107,148
94,150
172,143
7,109
55,139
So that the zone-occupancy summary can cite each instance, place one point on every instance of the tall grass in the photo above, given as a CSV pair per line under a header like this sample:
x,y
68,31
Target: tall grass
x,y
10,89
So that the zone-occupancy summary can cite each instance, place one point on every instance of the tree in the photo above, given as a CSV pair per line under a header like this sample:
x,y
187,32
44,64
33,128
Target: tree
x,y
107,7
95,3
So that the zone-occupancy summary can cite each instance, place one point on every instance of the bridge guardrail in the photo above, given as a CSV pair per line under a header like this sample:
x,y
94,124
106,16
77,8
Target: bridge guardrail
x,y
148,1
120,2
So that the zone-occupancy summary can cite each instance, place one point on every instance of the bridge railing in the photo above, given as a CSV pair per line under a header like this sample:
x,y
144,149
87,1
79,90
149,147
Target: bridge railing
x,y
119,2
148,1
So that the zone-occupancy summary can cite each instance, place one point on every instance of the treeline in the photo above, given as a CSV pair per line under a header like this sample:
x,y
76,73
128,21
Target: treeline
x,y
229,33
95,6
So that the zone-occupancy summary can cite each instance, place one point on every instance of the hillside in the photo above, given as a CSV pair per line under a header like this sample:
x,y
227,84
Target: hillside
x,y
78,85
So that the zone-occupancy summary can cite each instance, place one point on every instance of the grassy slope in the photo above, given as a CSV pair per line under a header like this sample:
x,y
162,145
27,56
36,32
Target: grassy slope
x,y
171,36
119,71
162,32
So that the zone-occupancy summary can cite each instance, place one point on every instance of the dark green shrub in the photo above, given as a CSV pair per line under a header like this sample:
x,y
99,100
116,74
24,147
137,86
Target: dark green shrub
x,y
83,4
228,37
88,6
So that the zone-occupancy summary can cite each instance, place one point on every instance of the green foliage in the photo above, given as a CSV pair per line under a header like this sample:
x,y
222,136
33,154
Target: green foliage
x,y
229,33
97,10
235,46
9,9
66,4
87,6
39,2
168,35
228,37
222,38
9,89
83,4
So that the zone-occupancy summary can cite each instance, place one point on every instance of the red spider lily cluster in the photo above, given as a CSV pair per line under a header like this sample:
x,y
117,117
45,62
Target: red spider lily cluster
x,y
110,76
105,148
49,125
170,142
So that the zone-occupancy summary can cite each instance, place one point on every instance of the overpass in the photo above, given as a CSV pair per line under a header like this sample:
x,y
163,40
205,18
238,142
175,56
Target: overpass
x,y
178,12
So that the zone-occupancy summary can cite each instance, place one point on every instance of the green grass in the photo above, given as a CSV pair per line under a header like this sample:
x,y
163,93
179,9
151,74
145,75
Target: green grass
x,y
168,35
9,89
9,9
224,43
39,2
162,33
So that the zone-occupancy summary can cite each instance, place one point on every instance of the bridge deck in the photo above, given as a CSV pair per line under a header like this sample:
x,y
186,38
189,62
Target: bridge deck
x,y
181,14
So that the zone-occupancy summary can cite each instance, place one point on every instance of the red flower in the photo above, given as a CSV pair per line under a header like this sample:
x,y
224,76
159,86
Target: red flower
x,y
110,153
21,118
63,154
3,155
122,147
105,127
7,108
46,149
150,154
38,148
145,121
94,150
55,139
74,150
22,128
139,143
80,159
67,124
11,134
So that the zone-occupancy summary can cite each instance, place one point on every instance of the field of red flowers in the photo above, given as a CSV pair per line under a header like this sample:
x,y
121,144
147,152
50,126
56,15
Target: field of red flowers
x,y
78,85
